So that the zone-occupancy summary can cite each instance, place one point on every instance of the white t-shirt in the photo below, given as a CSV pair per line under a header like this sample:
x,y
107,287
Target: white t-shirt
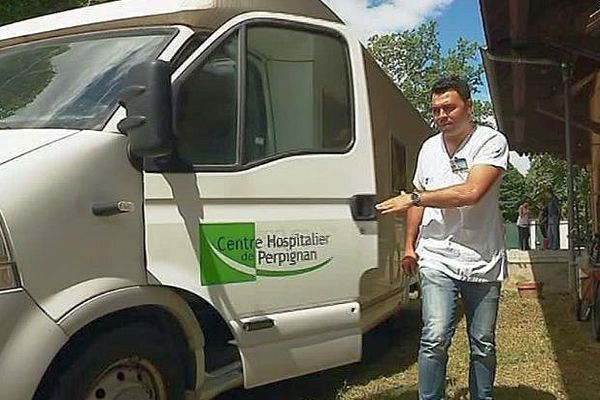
x,y
466,243
523,219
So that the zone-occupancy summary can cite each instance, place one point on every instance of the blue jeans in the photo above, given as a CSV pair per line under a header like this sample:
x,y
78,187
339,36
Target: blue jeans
x,y
439,313
553,235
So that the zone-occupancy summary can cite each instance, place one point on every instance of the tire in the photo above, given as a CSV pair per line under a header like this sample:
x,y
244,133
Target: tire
x,y
596,313
133,361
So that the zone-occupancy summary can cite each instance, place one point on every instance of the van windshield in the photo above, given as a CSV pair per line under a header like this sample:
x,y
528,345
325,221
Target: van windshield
x,y
72,82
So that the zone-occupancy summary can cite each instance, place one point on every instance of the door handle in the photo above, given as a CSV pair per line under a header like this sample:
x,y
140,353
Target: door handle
x,y
363,207
257,324
114,208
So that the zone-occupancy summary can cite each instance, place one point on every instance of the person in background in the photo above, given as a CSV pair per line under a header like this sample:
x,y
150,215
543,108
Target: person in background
x,y
543,223
553,207
523,225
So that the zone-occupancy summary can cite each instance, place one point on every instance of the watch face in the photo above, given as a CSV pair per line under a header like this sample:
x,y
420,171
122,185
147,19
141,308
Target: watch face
x,y
415,198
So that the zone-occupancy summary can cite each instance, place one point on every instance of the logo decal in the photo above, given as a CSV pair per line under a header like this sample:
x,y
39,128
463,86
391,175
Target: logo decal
x,y
236,252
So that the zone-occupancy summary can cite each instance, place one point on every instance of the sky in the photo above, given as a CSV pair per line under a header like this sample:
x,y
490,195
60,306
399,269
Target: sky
x,y
455,18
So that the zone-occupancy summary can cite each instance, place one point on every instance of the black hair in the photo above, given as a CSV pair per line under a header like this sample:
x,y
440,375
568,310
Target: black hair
x,y
452,83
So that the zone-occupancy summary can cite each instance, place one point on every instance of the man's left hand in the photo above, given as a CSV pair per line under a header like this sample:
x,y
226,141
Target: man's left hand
x,y
397,204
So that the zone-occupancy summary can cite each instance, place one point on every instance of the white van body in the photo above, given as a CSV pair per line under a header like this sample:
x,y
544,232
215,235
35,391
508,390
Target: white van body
x,y
251,272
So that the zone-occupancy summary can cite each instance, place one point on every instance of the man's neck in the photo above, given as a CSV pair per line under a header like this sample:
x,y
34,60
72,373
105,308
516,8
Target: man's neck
x,y
455,140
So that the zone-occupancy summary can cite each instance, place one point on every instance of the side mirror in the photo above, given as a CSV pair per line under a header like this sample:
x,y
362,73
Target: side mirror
x,y
147,99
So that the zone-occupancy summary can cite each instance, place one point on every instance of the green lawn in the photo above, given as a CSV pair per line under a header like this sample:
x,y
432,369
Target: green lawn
x,y
543,354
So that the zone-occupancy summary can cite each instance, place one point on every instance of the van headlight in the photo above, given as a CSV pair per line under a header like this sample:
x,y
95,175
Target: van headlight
x,y
9,279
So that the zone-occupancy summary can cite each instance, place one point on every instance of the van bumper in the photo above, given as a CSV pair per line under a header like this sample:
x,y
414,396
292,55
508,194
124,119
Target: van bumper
x,y
29,340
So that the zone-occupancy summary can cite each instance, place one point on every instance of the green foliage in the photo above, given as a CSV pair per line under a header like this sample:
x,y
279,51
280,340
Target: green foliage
x,y
483,112
512,193
414,60
16,10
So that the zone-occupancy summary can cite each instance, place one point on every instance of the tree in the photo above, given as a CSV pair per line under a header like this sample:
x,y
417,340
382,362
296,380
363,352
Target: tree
x,y
512,193
16,10
414,60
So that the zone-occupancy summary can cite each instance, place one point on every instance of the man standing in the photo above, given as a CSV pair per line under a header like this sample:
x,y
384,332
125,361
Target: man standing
x,y
523,225
553,207
455,214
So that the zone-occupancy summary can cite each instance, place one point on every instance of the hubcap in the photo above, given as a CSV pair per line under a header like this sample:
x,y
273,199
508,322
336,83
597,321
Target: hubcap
x,y
129,379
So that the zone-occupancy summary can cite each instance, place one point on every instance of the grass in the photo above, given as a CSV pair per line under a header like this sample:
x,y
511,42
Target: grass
x,y
543,354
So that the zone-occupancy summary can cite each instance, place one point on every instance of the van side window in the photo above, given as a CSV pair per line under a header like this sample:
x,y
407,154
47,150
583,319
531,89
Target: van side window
x,y
186,51
297,93
206,122
399,181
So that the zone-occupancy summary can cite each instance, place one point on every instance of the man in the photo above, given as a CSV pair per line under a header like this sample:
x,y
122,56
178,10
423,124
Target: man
x,y
553,208
455,214
523,225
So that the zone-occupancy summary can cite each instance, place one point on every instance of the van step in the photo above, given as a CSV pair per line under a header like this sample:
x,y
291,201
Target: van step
x,y
219,381
217,357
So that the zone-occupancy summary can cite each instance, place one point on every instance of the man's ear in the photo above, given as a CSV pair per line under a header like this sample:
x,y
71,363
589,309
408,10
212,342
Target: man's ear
x,y
469,104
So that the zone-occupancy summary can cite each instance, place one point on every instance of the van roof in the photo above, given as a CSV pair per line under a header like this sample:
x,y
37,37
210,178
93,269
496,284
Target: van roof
x,y
199,14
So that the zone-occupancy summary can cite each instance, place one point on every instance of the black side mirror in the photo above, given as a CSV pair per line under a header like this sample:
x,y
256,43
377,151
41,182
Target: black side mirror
x,y
147,99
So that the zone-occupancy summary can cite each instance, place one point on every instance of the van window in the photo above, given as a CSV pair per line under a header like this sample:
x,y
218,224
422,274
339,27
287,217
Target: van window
x,y
206,121
72,82
297,93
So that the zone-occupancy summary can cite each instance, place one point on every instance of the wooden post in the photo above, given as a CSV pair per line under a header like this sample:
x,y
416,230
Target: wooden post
x,y
595,156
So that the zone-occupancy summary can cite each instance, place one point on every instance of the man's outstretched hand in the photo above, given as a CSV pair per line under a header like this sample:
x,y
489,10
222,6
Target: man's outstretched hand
x,y
397,204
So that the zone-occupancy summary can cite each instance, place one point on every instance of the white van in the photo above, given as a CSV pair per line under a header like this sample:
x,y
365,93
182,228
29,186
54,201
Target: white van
x,y
223,234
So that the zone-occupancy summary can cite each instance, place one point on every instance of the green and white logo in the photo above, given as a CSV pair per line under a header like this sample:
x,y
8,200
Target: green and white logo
x,y
237,252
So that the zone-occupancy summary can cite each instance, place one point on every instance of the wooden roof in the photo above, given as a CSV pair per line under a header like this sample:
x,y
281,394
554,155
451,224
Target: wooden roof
x,y
528,99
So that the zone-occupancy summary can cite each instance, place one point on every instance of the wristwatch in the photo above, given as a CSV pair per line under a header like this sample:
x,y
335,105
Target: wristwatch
x,y
415,197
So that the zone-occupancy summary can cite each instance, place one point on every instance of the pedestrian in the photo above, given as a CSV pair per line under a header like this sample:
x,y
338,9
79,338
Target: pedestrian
x,y
553,207
523,225
543,223
455,214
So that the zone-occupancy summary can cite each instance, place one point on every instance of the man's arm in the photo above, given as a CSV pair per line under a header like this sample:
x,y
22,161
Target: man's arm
x,y
414,216
480,180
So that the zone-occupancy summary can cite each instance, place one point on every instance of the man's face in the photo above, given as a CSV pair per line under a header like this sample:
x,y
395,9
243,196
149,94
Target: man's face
x,y
451,114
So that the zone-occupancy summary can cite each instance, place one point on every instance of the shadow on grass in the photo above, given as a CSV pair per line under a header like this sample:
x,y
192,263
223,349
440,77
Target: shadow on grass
x,y
501,393
387,350
576,352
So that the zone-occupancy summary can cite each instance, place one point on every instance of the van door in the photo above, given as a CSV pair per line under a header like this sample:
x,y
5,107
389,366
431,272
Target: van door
x,y
267,126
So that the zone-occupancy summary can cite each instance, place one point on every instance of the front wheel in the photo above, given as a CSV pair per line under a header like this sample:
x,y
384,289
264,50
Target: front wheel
x,y
126,363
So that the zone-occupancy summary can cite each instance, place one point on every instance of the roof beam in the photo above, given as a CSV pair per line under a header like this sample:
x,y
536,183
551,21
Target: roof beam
x,y
518,13
579,49
580,84
586,125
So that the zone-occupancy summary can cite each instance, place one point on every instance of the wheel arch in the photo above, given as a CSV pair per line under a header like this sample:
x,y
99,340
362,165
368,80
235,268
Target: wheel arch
x,y
155,305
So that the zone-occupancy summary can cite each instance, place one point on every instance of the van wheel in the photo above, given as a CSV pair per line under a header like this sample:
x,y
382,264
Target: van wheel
x,y
133,362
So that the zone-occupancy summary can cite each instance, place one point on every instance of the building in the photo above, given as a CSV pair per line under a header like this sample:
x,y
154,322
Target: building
x,y
532,45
